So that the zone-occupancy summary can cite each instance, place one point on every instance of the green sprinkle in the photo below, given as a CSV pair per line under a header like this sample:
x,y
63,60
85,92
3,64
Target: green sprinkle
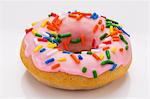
x,y
89,52
49,15
114,22
108,20
76,41
94,73
58,39
64,35
127,47
107,62
107,54
84,69
103,36
38,35
50,40
53,35
114,25
123,39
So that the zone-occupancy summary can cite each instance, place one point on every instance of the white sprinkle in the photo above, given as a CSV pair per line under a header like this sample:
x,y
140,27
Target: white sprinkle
x,y
36,41
45,34
52,52
95,50
84,52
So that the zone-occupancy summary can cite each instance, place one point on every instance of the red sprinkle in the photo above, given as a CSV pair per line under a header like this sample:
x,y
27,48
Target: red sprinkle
x,y
28,30
42,39
103,17
121,49
107,42
55,66
105,48
53,14
93,42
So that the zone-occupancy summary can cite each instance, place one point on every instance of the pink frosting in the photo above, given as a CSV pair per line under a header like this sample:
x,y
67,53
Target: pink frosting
x,y
85,25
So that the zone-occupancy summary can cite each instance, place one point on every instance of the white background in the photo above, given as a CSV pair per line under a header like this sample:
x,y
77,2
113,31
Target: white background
x,y
15,16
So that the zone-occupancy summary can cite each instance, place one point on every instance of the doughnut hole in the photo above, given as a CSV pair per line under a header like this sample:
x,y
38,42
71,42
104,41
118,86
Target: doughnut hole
x,y
76,28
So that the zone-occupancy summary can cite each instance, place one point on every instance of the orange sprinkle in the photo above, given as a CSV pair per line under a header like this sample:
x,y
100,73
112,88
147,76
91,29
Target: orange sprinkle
x,y
55,66
55,19
50,27
55,25
72,16
102,27
82,37
79,17
113,33
95,28
75,58
116,39
86,14
106,48
100,22
121,49
95,56
75,13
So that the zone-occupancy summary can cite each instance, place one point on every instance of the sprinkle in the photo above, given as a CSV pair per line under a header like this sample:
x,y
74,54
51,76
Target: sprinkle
x,y
107,62
58,40
79,17
75,41
94,16
123,39
80,57
107,54
95,50
86,14
34,31
42,39
108,19
103,17
95,56
114,22
53,14
121,49
50,27
45,34
55,66
103,36
113,67
113,50
82,37
38,35
100,22
105,48
49,60
101,56
123,31
55,19
47,38
94,73
93,43
75,58
28,30
95,28
66,52
55,26
111,29
51,45
38,48
102,27
44,23
42,50
84,69
53,35
62,59
89,52
107,42
64,35
127,47
72,16
34,23
116,39
50,35
52,52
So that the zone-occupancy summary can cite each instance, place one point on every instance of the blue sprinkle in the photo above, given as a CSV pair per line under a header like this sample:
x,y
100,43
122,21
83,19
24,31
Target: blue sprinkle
x,y
69,12
48,38
42,50
67,52
123,31
113,67
80,57
50,35
49,60
94,16
54,41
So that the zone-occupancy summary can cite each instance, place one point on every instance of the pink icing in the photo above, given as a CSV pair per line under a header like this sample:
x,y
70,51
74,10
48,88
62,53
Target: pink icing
x,y
85,25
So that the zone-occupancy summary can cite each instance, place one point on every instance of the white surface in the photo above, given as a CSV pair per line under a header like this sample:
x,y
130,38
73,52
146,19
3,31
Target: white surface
x,y
16,16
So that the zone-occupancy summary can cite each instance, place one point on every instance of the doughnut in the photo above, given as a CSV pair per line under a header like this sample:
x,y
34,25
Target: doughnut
x,y
76,50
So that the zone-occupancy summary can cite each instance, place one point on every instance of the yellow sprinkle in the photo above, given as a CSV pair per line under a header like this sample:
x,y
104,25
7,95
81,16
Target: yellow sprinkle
x,y
111,29
101,56
51,45
62,59
113,50
38,48
34,23
44,23
34,31
53,32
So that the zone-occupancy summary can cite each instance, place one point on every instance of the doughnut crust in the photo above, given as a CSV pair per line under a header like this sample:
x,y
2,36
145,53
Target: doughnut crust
x,y
71,82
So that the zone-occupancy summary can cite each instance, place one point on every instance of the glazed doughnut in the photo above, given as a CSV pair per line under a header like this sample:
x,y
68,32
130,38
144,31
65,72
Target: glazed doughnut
x,y
76,50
